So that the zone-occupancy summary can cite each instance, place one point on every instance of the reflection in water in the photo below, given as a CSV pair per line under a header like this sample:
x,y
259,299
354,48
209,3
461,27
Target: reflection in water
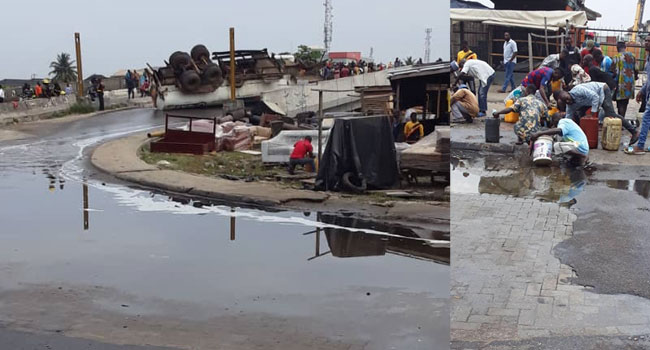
x,y
85,204
493,175
344,243
232,225
642,187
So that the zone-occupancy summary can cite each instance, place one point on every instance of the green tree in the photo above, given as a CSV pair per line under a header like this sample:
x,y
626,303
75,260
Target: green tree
x,y
62,69
409,61
308,55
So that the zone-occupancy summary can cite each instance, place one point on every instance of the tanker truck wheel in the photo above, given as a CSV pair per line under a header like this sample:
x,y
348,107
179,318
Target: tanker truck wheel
x,y
190,81
200,53
179,60
212,75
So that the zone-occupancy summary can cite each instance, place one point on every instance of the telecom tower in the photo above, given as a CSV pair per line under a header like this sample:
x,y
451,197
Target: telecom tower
x,y
327,29
427,45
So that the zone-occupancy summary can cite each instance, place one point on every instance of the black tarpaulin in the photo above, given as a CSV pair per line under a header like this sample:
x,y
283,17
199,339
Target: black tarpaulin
x,y
363,147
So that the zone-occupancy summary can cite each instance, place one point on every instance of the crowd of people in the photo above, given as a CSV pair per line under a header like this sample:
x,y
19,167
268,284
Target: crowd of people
x,y
577,82
335,70
136,82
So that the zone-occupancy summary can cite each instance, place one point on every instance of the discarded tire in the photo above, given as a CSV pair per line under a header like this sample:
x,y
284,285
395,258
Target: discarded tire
x,y
190,81
179,60
200,54
212,75
350,185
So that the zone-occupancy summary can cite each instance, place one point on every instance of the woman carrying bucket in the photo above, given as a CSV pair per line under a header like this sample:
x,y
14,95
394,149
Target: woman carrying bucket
x,y
532,112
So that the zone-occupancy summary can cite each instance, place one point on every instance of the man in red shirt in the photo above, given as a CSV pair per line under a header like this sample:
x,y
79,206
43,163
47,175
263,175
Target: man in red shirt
x,y
303,153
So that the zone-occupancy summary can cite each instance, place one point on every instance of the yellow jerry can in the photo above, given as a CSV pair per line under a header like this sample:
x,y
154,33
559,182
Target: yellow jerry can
x,y
511,117
611,137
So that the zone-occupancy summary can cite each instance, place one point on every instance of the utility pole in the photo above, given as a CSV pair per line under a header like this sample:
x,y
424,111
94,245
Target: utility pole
x,y
427,45
80,76
232,64
327,28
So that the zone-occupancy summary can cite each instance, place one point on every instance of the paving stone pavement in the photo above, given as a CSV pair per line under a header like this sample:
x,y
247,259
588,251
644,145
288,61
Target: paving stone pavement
x,y
506,284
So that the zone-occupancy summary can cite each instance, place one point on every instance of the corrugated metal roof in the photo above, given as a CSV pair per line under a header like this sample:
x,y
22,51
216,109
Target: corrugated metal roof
x,y
419,70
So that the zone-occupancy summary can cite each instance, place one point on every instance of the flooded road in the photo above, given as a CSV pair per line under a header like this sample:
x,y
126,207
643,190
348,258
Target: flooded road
x,y
89,258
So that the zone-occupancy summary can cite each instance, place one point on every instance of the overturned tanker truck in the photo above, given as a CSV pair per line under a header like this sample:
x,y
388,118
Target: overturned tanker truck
x,y
195,79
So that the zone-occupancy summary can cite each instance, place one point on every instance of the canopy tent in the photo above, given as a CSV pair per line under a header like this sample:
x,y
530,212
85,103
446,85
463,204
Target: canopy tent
x,y
526,19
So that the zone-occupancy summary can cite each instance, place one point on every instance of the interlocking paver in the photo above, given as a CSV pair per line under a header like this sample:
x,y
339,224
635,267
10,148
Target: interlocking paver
x,y
507,285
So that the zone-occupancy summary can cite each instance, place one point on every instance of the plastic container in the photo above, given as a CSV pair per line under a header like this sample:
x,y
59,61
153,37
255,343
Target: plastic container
x,y
511,117
492,126
611,137
590,127
543,150
552,111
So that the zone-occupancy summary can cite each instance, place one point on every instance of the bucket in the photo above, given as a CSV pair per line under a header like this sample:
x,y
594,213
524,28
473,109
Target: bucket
x,y
543,150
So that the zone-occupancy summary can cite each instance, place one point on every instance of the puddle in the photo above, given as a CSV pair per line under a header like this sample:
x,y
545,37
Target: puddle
x,y
504,175
62,226
641,187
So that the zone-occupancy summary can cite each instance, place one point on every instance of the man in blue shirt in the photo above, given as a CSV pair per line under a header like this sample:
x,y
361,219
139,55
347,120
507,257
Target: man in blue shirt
x,y
574,141
642,96
594,95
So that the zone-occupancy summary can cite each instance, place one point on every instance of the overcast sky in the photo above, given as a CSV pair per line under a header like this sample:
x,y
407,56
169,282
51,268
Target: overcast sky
x,y
120,34
618,14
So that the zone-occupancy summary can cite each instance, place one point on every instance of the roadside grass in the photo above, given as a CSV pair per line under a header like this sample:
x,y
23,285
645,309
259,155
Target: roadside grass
x,y
237,164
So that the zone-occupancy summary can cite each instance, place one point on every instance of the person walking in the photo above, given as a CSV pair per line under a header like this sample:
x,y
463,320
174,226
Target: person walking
x,y
128,80
625,73
100,93
642,97
2,94
509,61
481,71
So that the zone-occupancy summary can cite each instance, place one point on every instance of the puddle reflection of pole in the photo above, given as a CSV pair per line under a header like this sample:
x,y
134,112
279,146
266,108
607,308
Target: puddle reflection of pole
x,y
317,252
85,203
232,225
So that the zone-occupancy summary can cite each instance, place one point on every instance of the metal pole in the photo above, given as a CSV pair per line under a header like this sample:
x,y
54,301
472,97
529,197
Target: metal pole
x,y
530,53
232,63
320,126
546,36
80,76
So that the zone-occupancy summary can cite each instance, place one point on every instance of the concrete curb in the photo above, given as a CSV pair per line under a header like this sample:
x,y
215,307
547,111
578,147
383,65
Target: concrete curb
x,y
50,115
119,158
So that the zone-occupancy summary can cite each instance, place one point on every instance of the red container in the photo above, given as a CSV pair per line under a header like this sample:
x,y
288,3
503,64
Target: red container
x,y
590,126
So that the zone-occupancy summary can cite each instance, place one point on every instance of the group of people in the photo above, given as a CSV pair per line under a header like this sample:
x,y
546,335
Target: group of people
x,y
96,91
135,81
567,86
335,70
45,89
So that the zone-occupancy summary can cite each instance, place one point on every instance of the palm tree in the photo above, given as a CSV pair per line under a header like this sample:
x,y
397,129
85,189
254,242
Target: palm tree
x,y
409,61
62,69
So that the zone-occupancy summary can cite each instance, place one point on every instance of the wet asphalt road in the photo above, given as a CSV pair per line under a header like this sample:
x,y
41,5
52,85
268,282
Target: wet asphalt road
x,y
270,279
610,247
14,340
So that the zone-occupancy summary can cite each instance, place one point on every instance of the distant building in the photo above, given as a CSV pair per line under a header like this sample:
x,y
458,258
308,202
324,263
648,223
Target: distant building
x,y
343,57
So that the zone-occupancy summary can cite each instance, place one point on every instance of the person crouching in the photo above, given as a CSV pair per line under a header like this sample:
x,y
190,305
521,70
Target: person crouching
x,y
574,141
303,153
532,113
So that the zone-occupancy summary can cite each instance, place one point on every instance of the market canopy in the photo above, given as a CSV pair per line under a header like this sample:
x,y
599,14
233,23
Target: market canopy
x,y
525,19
